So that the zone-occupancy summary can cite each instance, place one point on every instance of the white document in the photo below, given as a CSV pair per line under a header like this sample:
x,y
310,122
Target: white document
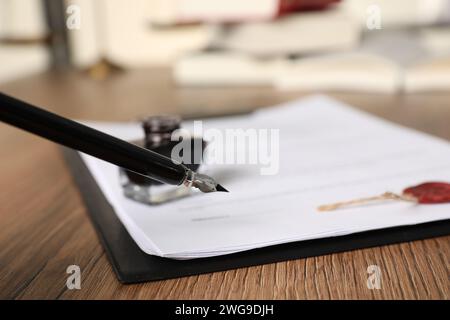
x,y
328,153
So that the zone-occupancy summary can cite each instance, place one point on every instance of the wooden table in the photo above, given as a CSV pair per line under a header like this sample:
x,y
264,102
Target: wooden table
x,y
44,226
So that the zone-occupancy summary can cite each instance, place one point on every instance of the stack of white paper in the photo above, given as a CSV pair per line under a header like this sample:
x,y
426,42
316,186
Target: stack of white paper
x,y
327,153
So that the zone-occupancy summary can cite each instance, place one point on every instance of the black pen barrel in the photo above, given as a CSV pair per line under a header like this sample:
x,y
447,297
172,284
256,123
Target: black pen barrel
x,y
90,141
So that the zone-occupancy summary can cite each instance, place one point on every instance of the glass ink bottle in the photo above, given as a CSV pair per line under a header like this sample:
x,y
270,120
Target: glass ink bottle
x,y
159,137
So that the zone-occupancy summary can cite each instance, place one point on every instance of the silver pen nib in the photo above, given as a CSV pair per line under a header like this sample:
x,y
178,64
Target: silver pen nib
x,y
203,182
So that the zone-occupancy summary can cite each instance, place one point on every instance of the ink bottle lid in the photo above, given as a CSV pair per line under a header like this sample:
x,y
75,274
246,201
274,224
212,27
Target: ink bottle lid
x,y
158,130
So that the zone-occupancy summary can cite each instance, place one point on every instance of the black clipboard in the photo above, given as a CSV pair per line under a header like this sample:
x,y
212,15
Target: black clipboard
x,y
132,265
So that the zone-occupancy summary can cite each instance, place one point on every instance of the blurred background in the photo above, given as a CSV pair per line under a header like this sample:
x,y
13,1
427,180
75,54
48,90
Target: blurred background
x,y
383,46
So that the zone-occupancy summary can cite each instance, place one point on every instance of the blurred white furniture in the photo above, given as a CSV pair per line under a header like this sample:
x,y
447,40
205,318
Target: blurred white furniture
x,y
22,28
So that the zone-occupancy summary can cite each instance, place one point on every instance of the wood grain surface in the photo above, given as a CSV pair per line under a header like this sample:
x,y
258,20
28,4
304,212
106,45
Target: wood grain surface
x,y
44,226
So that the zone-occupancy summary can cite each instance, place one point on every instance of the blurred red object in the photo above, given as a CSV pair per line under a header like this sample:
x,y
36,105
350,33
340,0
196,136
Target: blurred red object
x,y
287,6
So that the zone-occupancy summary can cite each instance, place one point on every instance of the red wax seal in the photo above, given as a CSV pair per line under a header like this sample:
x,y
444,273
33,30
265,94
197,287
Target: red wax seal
x,y
430,192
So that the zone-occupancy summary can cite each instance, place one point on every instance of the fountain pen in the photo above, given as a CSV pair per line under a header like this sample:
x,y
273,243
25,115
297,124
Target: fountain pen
x,y
101,145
